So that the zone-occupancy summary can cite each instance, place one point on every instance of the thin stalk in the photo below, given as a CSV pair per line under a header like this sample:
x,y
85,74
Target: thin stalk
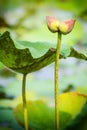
x,y
24,102
56,81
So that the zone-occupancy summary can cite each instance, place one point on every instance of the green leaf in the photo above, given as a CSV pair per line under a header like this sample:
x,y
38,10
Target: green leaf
x,y
37,49
41,114
21,60
80,121
69,102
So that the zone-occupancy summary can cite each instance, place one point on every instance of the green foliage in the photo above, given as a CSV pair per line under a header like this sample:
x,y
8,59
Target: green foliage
x,y
42,116
21,60
79,123
27,25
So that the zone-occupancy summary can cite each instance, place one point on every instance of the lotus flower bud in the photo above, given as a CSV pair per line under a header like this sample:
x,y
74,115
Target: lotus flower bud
x,y
52,24
56,26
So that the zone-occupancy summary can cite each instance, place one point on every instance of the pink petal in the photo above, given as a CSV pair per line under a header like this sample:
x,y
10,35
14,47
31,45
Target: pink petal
x,y
50,19
50,22
70,23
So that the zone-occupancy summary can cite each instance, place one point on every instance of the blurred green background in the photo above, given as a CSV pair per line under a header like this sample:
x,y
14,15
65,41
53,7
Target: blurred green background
x,y
26,20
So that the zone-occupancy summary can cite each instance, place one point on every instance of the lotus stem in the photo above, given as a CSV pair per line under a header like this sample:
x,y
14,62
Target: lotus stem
x,y
57,81
24,102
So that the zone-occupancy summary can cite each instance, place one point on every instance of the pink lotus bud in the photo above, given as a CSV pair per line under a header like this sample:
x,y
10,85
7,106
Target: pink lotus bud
x,y
55,25
52,24
66,26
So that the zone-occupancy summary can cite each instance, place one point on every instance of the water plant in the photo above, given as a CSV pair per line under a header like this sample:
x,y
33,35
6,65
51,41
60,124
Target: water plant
x,y
64,27
21,60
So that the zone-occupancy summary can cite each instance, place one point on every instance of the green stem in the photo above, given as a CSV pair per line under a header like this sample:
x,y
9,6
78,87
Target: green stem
x,y
56,81
24,102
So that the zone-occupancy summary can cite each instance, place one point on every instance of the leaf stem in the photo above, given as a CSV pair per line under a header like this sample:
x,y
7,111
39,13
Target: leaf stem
x,y
56,81
24,102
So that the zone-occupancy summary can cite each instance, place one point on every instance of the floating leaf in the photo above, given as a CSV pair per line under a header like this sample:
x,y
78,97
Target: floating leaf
x,y
72,102
80,121
21,60
41,113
